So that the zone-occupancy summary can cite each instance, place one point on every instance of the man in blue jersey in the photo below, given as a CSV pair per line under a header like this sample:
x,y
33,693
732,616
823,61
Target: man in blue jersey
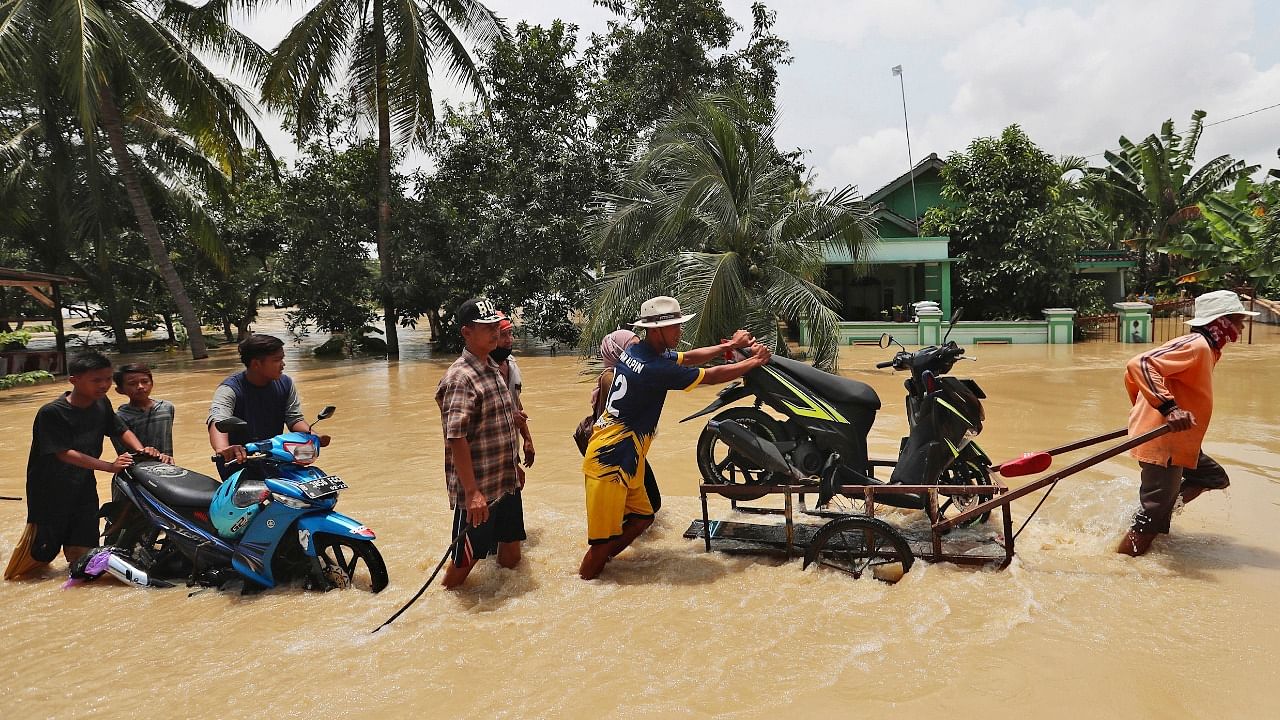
x,y
618,508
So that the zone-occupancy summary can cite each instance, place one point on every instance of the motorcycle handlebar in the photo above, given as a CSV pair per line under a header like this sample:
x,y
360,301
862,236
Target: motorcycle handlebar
x,y
885,364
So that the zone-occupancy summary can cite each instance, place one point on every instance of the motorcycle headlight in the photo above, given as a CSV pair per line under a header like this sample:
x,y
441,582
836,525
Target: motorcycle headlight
x,y
303,453
289,502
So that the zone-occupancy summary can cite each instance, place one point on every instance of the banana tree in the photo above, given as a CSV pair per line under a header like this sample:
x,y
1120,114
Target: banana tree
x,y
1241,245
1151,186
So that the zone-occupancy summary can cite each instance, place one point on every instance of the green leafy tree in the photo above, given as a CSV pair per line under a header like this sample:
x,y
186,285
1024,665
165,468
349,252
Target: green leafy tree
x,y
711,215
658,55
1242,243
324,265
1153,188
1013,224
125,67
387,48
504,213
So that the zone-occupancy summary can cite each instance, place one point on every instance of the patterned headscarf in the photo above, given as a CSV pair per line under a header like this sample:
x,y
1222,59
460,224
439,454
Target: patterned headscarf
x,y
612,346
610,352
1220,331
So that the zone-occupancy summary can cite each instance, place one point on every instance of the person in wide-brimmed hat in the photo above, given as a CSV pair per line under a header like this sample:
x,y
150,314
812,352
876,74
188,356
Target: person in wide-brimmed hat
x,y
618,507
1174,384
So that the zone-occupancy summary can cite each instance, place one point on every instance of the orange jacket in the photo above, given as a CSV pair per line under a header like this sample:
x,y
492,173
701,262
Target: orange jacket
x,y
1179,372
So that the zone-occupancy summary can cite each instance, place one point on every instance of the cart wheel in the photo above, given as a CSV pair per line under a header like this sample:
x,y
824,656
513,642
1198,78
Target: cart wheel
x,y
720,465
965,473
857,544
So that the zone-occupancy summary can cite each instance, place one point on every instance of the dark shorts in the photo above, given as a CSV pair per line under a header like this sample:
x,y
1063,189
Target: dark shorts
x,y
73,521
505,525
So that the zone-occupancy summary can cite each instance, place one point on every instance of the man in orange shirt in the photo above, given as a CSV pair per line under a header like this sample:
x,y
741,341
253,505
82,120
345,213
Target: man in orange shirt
x,y
1174,384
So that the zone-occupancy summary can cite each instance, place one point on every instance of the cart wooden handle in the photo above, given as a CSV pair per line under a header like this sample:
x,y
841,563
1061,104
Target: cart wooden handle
x,y
1006,498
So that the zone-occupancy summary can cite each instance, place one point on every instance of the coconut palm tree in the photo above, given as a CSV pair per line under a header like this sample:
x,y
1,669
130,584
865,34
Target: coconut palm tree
x,y
386,48
123,64
1150,187
712,215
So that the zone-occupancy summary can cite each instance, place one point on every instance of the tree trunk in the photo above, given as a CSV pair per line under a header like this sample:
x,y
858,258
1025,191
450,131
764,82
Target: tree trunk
x,y
168,327
226,327
110,119
433,319
385,265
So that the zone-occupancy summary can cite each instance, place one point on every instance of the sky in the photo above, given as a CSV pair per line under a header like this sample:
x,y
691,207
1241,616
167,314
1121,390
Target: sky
x,y
1075,75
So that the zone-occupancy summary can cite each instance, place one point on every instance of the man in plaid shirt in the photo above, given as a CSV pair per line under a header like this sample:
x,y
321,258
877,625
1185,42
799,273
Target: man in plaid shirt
x,y
478,417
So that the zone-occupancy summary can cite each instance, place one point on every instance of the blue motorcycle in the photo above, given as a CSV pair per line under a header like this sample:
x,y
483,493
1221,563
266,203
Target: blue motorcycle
x,y
271,522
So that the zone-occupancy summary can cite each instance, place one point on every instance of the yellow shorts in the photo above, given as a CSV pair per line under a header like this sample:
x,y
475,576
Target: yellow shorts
x,y
613,495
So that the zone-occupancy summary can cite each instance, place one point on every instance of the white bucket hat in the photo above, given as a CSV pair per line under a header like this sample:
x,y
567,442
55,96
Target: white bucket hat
x,y
1213,305
661,312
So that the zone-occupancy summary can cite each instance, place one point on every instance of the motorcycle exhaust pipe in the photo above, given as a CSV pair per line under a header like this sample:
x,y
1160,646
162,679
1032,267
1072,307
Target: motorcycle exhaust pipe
x,y
755,449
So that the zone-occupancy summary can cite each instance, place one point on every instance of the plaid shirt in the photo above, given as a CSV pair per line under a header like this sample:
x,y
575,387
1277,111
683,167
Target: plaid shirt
x,y
475,404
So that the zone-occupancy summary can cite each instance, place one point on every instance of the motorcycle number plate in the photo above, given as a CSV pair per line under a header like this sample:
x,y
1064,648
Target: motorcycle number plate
x,y
318,488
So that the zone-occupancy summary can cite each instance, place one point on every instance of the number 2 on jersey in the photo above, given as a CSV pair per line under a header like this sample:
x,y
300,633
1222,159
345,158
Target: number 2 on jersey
x,y
616,392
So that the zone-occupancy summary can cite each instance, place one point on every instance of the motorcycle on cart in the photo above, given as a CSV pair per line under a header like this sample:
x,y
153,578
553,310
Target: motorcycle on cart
x,y
819,447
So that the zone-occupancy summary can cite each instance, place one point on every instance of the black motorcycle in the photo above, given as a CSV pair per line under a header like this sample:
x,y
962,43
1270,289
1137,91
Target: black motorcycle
x,y
823,439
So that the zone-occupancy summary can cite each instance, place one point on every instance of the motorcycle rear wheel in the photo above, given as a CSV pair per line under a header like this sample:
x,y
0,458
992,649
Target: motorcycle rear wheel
x,y
857,544
720,465
346,563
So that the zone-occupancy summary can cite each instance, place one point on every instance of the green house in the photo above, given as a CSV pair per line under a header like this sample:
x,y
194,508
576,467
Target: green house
x,y
903,267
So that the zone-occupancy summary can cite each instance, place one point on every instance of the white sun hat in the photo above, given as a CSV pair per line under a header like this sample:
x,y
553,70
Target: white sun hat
x,y
661,312
1213,305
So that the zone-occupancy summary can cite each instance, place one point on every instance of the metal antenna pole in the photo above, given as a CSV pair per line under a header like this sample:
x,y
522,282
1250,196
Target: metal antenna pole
x,y
911,170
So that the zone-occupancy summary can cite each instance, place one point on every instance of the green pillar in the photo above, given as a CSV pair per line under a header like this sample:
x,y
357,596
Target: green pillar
x,y
1061,325
929,326
946,288
1135,322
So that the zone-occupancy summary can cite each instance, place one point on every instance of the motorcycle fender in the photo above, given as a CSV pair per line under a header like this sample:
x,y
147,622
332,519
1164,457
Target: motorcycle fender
x,y
727,396
332,523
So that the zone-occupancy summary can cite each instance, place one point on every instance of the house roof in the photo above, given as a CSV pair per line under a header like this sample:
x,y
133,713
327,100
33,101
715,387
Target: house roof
x,y
883,214
932,162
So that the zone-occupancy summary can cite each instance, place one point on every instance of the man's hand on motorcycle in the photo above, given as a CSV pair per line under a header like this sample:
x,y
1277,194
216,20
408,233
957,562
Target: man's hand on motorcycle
x,y
760,354
233,453
122,462
477,509
166,459
741,339
528,453
1180,420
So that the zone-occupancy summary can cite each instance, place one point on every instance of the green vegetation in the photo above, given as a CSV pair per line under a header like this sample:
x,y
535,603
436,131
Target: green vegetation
x,y
26,378
1012,227
712,215
589,173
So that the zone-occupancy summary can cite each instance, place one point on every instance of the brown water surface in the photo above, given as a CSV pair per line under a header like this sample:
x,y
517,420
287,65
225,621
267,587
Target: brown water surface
x,y
670,631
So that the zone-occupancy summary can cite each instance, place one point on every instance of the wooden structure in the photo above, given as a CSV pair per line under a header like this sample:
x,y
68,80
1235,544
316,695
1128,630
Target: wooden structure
x,y
744,537
46,289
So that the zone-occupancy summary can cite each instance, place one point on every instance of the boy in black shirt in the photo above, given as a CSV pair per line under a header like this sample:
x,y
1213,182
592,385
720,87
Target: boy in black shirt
x,y
66,444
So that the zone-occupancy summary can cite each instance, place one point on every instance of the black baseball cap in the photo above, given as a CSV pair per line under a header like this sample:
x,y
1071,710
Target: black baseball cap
x,y
478,310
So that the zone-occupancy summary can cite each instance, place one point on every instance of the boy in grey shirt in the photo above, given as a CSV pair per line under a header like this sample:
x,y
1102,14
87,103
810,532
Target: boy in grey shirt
x,y
151,420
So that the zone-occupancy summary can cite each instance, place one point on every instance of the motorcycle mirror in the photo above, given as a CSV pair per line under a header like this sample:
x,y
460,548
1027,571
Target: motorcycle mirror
x,y
227,425
955,317
327,412
885,341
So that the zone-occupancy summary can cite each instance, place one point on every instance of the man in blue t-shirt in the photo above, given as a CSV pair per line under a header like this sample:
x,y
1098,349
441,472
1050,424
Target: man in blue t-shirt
x,y
618,508
262,395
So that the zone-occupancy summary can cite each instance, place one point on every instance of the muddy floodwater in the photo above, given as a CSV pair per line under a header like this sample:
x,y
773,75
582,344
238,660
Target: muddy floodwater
x,y
1069,630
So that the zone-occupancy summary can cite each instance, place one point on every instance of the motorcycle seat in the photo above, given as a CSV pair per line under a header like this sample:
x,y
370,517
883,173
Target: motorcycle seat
x,y
175,486
831,387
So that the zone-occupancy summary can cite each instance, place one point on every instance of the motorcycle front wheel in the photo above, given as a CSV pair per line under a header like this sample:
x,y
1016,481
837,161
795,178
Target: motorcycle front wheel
x,y
721,465
346,563
971,473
